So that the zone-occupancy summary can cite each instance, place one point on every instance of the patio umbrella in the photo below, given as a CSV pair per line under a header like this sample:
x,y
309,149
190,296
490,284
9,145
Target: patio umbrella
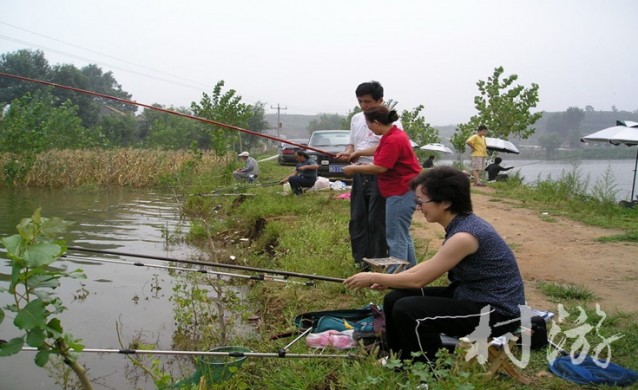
x,y
500,145
624,133
437,148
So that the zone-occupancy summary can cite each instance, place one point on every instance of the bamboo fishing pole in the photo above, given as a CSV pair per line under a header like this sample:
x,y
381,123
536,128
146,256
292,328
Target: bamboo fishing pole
x,y
260,277
218,265
204,120
280,354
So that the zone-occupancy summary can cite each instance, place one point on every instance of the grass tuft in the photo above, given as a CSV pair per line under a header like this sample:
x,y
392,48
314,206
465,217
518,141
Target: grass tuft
x,y
558,291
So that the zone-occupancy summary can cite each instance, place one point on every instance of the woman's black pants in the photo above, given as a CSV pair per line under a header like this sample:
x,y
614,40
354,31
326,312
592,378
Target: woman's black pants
x,y
416,318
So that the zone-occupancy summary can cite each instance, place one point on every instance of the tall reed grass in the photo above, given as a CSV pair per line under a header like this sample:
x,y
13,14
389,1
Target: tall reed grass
x,y
117,167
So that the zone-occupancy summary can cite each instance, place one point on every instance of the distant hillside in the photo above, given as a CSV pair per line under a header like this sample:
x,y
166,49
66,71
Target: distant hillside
x,y
292,126
296,126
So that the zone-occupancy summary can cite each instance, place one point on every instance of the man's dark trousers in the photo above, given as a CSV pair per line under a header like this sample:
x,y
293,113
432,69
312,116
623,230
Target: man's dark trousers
x,y
367,219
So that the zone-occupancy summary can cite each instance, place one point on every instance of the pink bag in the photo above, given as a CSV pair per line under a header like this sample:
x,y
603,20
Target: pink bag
x,y
331,338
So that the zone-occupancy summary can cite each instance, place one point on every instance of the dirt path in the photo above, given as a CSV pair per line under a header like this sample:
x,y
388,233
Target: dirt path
x,y
555,249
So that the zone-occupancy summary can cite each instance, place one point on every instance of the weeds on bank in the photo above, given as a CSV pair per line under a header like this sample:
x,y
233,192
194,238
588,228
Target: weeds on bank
x,y
567,195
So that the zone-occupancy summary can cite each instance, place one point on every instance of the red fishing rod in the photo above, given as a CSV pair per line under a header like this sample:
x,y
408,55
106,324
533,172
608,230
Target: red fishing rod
x,y
209,121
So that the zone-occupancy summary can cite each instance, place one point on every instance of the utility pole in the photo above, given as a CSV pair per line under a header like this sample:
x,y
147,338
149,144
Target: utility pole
x,y
278,114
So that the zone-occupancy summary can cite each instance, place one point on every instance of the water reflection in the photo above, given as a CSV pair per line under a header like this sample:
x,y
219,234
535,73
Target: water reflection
x,y
135,299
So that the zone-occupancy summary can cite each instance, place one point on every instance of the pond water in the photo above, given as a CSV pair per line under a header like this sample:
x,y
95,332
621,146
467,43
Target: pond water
x,y
137,298
532,170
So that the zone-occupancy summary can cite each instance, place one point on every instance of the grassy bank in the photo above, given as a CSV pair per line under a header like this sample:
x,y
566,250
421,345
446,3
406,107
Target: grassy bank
x,y
309,234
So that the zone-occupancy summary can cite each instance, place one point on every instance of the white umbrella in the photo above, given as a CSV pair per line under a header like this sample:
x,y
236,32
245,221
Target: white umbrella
x,y
500,145
624,133
437,148
414,144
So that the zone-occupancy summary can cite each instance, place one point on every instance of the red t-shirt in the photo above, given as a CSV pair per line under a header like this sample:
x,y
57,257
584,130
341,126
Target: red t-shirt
x,y
395,153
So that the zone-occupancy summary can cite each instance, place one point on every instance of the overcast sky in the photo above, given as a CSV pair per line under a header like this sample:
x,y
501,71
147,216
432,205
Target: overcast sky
x,y
310,56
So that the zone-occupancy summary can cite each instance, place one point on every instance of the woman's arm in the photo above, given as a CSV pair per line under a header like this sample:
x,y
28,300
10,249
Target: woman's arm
x,y
366,168
456,248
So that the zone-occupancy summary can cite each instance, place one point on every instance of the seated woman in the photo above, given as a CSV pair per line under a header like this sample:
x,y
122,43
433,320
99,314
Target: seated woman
x,y
485,284
305,174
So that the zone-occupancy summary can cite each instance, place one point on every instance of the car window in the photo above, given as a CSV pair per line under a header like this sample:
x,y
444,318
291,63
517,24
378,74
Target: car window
x,y
330,138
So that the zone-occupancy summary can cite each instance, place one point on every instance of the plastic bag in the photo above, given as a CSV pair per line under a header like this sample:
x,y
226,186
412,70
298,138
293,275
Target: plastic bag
x,y
331,338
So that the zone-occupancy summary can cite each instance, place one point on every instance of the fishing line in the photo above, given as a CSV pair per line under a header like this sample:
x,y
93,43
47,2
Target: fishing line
x,y
203,120
207,353
260,277
219,265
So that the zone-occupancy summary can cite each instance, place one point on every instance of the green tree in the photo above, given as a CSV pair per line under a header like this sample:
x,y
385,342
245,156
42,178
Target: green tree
x,y
34,65
105,83
39,122
460,136
415,126
225,108
573,117
550,142
257,123
167,131
67,74
118,128
326,122
503,107
25,63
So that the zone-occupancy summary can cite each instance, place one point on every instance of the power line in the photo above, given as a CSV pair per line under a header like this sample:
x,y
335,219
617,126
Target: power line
x,y
199,88
95,52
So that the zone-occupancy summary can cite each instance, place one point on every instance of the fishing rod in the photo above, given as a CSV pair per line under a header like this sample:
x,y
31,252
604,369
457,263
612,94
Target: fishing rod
x,y
206,353
220,265
260,277
280,354
125,101
220,191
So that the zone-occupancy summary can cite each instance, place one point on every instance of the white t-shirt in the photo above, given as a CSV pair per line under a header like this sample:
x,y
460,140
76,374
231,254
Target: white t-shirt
x,y
361,137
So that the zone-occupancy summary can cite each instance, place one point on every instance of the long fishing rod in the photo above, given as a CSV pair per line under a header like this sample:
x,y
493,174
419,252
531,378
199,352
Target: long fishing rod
x,y
222,190
209,121
260,277
219,265
280,354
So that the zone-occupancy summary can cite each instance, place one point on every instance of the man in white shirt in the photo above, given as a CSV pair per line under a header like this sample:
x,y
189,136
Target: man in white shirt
x,y
367,206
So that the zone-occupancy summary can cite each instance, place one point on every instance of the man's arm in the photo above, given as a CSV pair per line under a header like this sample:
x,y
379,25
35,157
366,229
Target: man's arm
x,y
470,143
346,154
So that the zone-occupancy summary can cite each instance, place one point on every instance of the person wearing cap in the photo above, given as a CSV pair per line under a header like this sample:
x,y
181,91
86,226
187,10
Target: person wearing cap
x,y
479,153
250,171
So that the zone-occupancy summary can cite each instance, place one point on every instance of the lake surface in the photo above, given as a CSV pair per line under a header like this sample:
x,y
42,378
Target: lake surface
x,y
125,220
532,170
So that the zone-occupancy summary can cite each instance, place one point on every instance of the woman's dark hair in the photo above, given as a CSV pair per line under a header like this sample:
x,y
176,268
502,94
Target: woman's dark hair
x,y
445,183
381,114
303,154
